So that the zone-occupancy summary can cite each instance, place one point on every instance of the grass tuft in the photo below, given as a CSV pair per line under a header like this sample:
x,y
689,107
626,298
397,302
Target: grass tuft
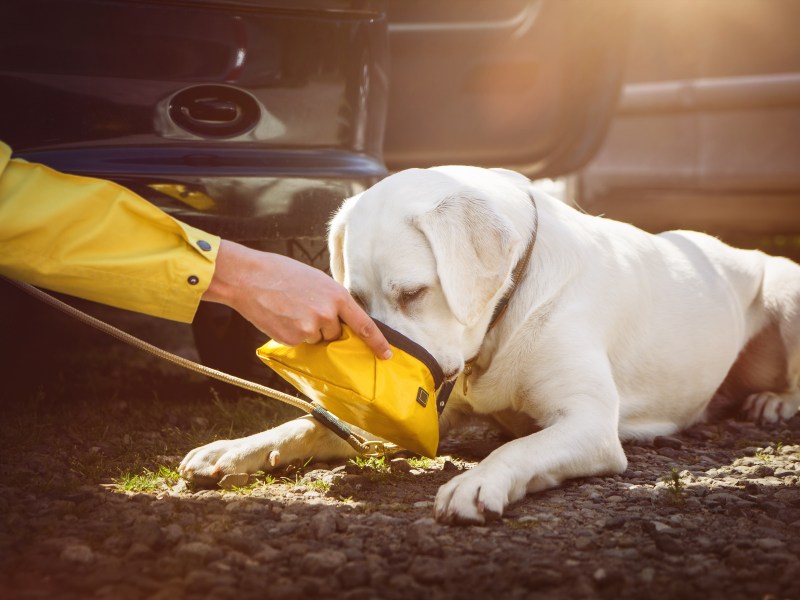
x,y
674,485
371,463
147,481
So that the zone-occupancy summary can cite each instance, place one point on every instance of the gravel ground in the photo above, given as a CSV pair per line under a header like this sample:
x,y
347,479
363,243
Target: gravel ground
x,y
90,505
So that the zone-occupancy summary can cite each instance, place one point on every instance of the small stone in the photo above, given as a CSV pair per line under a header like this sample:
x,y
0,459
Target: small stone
x,y
401,581
323,562
421,528
449,466
79,553
240,540
207,582
323,523
788,496
739,559
669,452
172,533
179,488
770,544
148,532
354,575
668,544
267,554
659,527
139,550
430,570
541,577
421,534
615,522
383,520
399,465
323,475
584,543
663,441
760,471
199,551
726,498
234,480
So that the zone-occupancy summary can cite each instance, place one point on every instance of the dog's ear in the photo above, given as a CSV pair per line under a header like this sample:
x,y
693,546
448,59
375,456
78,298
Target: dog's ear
x,y
336,232
473,247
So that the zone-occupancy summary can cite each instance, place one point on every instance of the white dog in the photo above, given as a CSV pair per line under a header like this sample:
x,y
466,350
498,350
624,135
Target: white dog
x,y
610,333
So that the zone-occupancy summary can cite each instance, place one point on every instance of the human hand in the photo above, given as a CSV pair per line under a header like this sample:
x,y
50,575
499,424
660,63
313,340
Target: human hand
x,y
289,301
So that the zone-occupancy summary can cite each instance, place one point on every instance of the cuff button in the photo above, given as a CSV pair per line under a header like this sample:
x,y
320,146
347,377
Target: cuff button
x,y
203,245
193,280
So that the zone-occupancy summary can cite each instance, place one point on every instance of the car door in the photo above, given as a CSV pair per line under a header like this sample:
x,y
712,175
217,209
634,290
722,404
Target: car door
x,y
524,84
707,132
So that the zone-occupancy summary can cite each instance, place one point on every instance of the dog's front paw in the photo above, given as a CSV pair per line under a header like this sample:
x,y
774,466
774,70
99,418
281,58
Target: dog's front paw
x,y
266,450
209,463
472,498
771,407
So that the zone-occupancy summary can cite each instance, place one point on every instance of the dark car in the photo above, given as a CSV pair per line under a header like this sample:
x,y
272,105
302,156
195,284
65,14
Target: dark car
x,y
254,119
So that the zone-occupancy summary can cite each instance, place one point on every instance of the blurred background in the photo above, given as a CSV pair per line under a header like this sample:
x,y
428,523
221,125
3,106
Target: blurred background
x,y
706,132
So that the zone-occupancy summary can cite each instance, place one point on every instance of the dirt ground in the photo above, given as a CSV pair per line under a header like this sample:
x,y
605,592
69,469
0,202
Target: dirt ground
x,y
91,505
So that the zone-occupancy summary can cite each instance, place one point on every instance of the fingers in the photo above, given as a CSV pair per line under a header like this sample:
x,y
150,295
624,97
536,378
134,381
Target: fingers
x,y
288,300
331,332
326,333
365,328
314,339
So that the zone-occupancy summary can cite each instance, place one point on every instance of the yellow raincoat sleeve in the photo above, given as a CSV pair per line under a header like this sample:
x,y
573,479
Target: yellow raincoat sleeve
x,y
97,240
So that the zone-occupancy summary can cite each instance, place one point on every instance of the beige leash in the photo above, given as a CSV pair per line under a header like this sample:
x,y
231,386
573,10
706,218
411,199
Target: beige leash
x,y
361,445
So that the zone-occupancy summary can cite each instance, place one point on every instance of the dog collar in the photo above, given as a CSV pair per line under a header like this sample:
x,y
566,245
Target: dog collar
x,y
502,305
442,387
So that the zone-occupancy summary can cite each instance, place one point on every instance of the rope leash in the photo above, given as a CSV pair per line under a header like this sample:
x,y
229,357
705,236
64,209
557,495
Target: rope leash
x,y
325,417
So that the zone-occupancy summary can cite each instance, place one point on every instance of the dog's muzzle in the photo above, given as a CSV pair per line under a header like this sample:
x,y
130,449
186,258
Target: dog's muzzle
x,y
399,399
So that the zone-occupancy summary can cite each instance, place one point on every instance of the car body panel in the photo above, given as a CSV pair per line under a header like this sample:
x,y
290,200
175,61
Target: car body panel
x,y
521,84
273,113
707,132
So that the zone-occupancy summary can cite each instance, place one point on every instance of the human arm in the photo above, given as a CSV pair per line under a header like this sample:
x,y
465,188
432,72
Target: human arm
x,y
97,240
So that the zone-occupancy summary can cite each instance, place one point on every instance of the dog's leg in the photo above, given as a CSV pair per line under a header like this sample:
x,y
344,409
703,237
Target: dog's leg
x,y
772,407
298,439
771,361
529,464
580,439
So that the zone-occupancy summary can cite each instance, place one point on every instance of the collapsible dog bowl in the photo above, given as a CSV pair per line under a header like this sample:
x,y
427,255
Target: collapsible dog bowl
x,y
394,399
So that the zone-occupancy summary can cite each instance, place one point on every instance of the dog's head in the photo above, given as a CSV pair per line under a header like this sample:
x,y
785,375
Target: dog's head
x,y
430,252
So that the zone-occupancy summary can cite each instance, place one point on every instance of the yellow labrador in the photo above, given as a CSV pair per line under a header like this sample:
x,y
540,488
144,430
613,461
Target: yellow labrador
x,y
608,333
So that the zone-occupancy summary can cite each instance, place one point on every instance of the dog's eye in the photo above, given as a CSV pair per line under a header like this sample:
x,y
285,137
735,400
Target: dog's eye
x,y
409,296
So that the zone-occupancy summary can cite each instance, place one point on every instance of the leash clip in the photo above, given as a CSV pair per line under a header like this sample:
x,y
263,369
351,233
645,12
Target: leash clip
x,y
375,448
466,374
